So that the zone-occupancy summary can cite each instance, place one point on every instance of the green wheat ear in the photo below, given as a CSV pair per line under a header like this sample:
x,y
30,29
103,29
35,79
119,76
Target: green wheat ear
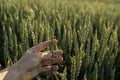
x,y
52,43
52,46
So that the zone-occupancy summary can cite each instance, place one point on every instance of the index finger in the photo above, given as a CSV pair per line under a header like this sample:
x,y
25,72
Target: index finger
x,y
42,46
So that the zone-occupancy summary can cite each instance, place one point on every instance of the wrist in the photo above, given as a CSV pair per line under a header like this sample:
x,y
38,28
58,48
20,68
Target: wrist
x,y
21,74
13,73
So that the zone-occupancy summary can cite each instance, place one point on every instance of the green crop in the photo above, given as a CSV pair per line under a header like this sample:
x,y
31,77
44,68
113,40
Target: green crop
x,y
87,31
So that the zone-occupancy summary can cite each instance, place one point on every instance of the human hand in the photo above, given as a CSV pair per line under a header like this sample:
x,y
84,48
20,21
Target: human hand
x,y
34,61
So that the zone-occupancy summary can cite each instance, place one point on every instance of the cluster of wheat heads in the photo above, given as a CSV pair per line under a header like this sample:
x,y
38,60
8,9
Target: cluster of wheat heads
x,y
88,35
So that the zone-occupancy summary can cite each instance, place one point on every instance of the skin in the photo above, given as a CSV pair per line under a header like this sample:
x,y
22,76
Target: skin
x,y
33,62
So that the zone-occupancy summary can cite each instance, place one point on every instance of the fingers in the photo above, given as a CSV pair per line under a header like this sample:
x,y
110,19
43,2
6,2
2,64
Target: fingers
x,y
51,61
48,54
45,55
50,68
42,46
55,53
58,53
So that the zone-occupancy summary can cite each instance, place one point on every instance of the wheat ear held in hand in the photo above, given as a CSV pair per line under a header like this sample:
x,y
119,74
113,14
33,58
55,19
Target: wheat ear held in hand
x,y
52,50
52,45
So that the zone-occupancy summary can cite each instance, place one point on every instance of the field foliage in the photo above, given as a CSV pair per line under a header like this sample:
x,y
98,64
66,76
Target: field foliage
x,y
88,32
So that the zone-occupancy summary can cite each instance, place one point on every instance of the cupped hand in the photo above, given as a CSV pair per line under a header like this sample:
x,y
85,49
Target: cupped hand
x,y
34,61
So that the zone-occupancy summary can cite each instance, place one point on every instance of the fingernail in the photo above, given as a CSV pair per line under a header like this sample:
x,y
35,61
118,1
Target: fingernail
x,y
49,54
61,51
60,59
54,68
55,40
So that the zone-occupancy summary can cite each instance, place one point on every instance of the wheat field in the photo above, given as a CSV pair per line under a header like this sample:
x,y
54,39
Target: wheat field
x,y
88,32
